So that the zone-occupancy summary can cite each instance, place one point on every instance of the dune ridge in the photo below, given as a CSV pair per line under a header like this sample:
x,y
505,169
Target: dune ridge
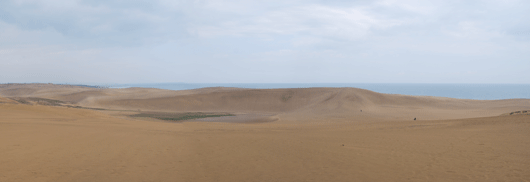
x,y
288,104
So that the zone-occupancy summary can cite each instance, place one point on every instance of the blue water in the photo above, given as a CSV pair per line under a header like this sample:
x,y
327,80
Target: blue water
x,y
461,91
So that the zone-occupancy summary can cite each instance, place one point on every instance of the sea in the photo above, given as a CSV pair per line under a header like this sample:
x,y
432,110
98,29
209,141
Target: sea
x,y
460,91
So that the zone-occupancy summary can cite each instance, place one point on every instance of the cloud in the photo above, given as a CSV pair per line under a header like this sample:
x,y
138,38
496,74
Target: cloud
x,y
264,41
310,20
94,23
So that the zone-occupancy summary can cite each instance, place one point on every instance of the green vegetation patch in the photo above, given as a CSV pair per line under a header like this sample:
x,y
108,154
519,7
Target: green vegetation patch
x,y
21,100
519,112
79,107
43,101
39,101
180,116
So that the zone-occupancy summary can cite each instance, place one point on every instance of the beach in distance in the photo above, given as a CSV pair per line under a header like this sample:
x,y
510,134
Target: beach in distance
x,y
73,133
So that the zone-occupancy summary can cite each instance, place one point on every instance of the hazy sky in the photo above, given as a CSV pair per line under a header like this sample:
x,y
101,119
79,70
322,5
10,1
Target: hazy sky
x,y
272,41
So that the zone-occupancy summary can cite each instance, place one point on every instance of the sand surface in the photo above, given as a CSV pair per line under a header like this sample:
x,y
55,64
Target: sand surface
x,y
316,134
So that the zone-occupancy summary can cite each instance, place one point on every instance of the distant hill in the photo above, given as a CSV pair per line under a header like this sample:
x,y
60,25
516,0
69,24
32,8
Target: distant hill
x,y
288,104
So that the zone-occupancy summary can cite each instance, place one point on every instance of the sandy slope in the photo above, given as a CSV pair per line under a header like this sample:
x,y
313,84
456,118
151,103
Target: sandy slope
x,y
288,104
320,135
43,143
6,100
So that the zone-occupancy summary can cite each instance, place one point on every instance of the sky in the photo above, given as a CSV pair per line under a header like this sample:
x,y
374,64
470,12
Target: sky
x,y
270,41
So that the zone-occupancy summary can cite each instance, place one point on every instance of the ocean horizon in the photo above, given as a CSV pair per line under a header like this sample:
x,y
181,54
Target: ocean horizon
x,y
459,91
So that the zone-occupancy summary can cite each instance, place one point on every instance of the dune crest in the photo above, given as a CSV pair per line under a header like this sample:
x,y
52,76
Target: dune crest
x,y
287,104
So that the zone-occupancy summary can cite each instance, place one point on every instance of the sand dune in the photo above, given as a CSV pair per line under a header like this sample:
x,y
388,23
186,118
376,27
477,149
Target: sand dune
x,y
288,104
2,99
43,143
6,100
315,134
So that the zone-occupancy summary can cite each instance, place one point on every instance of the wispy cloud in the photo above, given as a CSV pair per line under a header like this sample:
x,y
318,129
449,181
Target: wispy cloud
x,y
263,41
309,20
